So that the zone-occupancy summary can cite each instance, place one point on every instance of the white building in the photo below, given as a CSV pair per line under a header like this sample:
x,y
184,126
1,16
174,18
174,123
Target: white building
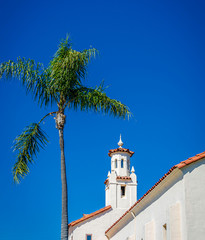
x,y
173,209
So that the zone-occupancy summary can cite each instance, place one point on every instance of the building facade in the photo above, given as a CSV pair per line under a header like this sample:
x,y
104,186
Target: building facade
x,y
120,194
173,209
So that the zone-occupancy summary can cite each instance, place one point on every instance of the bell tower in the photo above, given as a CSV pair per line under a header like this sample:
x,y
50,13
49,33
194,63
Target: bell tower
x,y
121,184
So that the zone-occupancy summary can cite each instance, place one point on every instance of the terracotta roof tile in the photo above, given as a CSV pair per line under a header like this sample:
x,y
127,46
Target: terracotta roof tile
x,y
180,165
87,216
123,178
191,160
106,181
120,150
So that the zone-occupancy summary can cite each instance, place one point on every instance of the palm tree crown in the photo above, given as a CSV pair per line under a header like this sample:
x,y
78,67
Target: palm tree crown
x,y
61,83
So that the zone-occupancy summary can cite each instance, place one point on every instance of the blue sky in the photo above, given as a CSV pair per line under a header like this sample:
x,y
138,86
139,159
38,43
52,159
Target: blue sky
x,y
152,57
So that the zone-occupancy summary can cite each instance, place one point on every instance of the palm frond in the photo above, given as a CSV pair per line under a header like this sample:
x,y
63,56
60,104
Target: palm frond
x,y
24,69
33,76
28,144
68,67
96,99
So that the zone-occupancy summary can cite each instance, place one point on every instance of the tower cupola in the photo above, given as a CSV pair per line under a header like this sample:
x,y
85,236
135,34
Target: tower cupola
x,y
121,185
120,159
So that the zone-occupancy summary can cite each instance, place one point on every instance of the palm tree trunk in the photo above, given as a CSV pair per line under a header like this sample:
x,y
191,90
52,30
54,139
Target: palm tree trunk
x,y
64,218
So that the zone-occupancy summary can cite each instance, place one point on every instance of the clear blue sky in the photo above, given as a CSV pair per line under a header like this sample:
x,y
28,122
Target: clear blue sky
x,y
152,57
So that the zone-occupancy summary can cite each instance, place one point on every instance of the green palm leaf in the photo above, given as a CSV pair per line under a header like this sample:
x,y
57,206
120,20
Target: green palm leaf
x,y
68,67
96,99
33,76
27,144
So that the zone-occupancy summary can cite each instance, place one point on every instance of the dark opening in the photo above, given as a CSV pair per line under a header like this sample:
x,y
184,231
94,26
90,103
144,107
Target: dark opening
x,y
122,191
88,237
122,163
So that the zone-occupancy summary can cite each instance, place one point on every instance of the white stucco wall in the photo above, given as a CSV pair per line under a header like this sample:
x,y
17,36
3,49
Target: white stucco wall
x,y
154,209
194,182
113,192
130,194
96,225
125,171
127,231
178,202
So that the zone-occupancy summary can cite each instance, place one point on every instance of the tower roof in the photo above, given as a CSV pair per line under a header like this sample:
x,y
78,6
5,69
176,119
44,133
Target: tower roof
x,y
120,149
125,150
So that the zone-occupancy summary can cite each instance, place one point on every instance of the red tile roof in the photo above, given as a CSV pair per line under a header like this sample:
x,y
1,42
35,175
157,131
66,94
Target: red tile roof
x,y
180,165
123,178
106,181
191,160
87,216
119,178
120,150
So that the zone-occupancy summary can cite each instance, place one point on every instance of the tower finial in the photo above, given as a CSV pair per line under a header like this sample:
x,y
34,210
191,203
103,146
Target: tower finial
x,y
120,143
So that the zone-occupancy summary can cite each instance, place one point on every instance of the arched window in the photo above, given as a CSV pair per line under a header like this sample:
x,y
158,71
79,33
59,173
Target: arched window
x,y
115,163
122,163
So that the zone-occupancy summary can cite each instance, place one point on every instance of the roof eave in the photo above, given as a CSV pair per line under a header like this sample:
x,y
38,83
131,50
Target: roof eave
x,y
120,150
88,216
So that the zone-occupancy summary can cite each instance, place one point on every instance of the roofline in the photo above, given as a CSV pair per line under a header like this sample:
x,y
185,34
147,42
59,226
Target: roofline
x,y
124,150
179,166
88,216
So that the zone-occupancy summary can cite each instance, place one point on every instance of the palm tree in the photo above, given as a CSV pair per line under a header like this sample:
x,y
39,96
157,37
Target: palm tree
x,y
60,84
